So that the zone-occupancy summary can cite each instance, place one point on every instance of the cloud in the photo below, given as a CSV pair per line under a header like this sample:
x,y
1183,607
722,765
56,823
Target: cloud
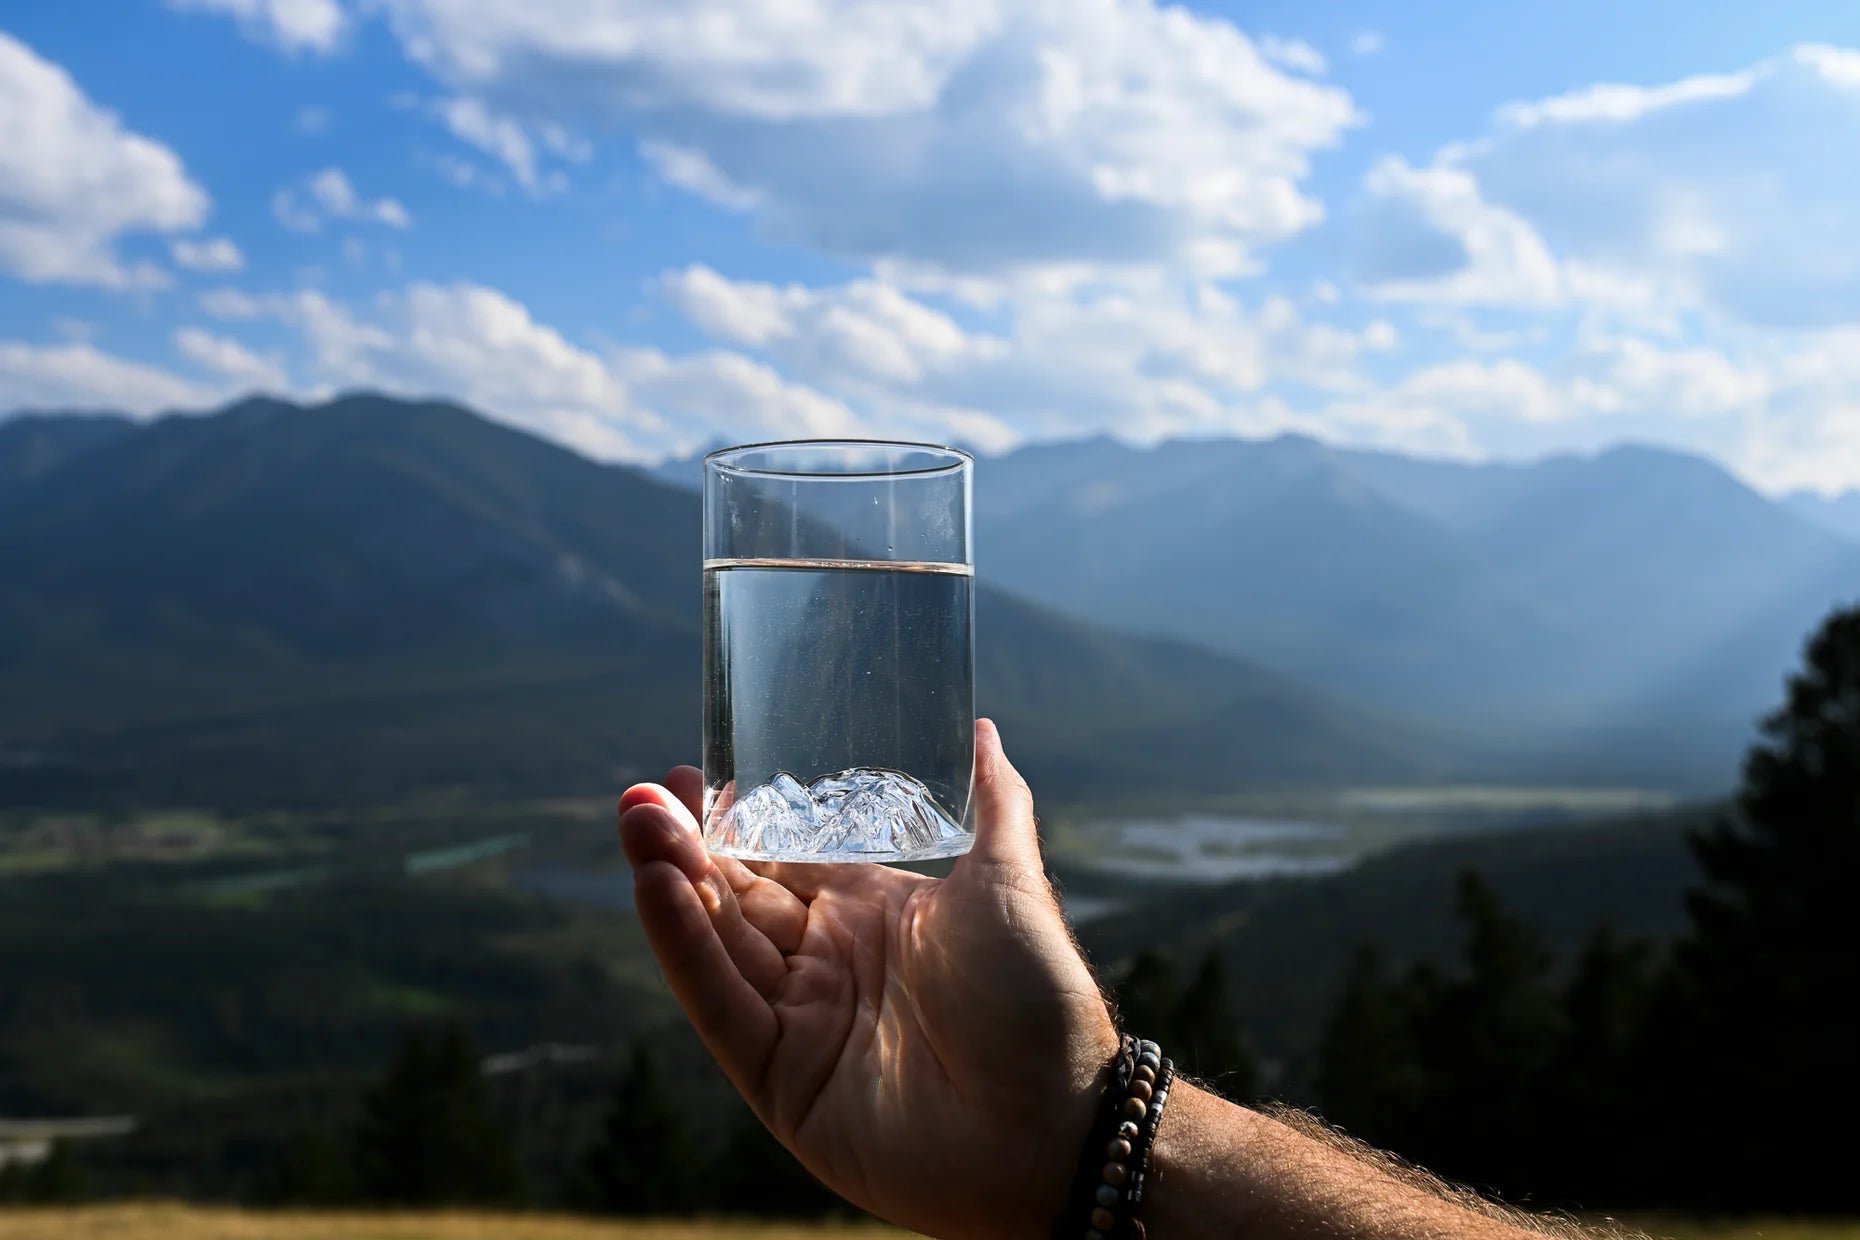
x,y
470,121
1427,234
866,328
1718,194
73,181
329,195
483,347
1293,54
211,254
1366,43
313,118
1146,359
231,360
291,25
78,375
973,138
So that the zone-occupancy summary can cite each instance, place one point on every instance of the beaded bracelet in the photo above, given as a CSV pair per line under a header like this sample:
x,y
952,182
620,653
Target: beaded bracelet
x,y
1105,1195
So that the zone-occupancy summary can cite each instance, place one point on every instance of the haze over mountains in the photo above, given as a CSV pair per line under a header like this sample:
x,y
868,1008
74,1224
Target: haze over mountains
x,y
375,596
1623,617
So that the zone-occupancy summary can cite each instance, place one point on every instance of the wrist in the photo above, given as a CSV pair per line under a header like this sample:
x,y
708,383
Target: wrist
x,y
1199,1173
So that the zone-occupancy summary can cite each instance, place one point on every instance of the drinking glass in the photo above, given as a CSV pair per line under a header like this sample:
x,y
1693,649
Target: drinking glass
x,y
839,672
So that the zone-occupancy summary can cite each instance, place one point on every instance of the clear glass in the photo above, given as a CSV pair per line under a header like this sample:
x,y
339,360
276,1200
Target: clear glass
x,y
839,669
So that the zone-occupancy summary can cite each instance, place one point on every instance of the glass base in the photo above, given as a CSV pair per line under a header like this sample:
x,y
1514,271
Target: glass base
x,y
943,849
862,814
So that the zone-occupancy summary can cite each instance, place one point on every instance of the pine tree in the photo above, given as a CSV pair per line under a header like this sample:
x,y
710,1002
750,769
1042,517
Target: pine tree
x,y
427,1136
1213,1046
755,1175
1768,969
1147,999
1588,1101
1485,1042
645,1160
1369,1079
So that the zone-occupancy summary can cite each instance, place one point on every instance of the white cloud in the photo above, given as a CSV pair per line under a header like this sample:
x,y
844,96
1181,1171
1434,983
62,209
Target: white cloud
x,y
498,136
210,254
866,328
78,375
329,195
480,346
1427,234
73,181
1718,194
292,25
690,169
231,360
1294,54
293,214
313,118
1366,43
1610,101
979,137
1144,358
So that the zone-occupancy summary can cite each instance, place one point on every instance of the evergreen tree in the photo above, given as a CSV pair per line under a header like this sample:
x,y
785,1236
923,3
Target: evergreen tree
x,y
1146,998
311,1170
58,1179
755,1175
1768,971
645,1160
1369,1079
1588,1102
1485,1041
1212,1045
427,1136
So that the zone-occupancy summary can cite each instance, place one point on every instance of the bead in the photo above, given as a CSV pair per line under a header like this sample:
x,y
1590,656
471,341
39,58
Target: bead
x,y
1150,1060
1141,1090
1118,1149
1135,1108
1128,1131
1107,1196
1115,1173
1144,1074
1094,1234
1103,1219
1145,1045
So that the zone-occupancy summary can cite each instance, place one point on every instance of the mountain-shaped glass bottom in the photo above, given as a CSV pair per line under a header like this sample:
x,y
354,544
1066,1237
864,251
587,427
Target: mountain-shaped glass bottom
x,y
862,814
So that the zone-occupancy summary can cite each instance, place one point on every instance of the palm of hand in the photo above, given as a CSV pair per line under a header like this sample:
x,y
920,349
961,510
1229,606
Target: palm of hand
x,y
926,1047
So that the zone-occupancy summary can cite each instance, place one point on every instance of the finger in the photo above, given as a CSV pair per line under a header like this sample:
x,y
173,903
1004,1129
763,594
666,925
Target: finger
x,y
736,1022
768,907
1005,832
651,832
658,794
687,784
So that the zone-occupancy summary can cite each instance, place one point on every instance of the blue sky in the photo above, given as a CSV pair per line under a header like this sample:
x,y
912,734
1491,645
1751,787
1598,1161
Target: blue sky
x,y
637,227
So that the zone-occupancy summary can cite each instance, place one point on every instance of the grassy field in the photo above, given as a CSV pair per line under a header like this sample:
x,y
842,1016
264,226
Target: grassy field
x,y
176,1222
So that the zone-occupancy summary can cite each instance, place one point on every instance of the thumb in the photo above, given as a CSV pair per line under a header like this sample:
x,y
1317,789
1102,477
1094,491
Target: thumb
x,y
1005,832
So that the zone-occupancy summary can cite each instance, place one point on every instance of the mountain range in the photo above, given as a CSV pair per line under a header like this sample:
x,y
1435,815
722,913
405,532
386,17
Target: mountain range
x,y
1625,616
373,597
1839,512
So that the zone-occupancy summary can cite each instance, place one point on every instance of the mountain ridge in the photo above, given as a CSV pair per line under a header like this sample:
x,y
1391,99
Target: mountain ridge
x,y
403,594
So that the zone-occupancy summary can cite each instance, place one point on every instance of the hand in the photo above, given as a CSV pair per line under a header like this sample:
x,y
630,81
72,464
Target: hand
x,y
929,1048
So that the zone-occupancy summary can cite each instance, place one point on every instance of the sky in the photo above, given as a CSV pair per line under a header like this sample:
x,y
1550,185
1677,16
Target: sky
x,y
640,228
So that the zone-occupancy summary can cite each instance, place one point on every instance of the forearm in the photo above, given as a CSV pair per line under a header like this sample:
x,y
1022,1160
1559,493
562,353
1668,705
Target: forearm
x,y
1219,1170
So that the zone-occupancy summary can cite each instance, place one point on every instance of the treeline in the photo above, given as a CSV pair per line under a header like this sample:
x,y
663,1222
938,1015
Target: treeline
x,y
428,1135
1720,1073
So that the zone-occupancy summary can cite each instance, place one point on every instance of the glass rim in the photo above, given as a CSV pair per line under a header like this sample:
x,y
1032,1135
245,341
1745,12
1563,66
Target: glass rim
x,y
957,458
